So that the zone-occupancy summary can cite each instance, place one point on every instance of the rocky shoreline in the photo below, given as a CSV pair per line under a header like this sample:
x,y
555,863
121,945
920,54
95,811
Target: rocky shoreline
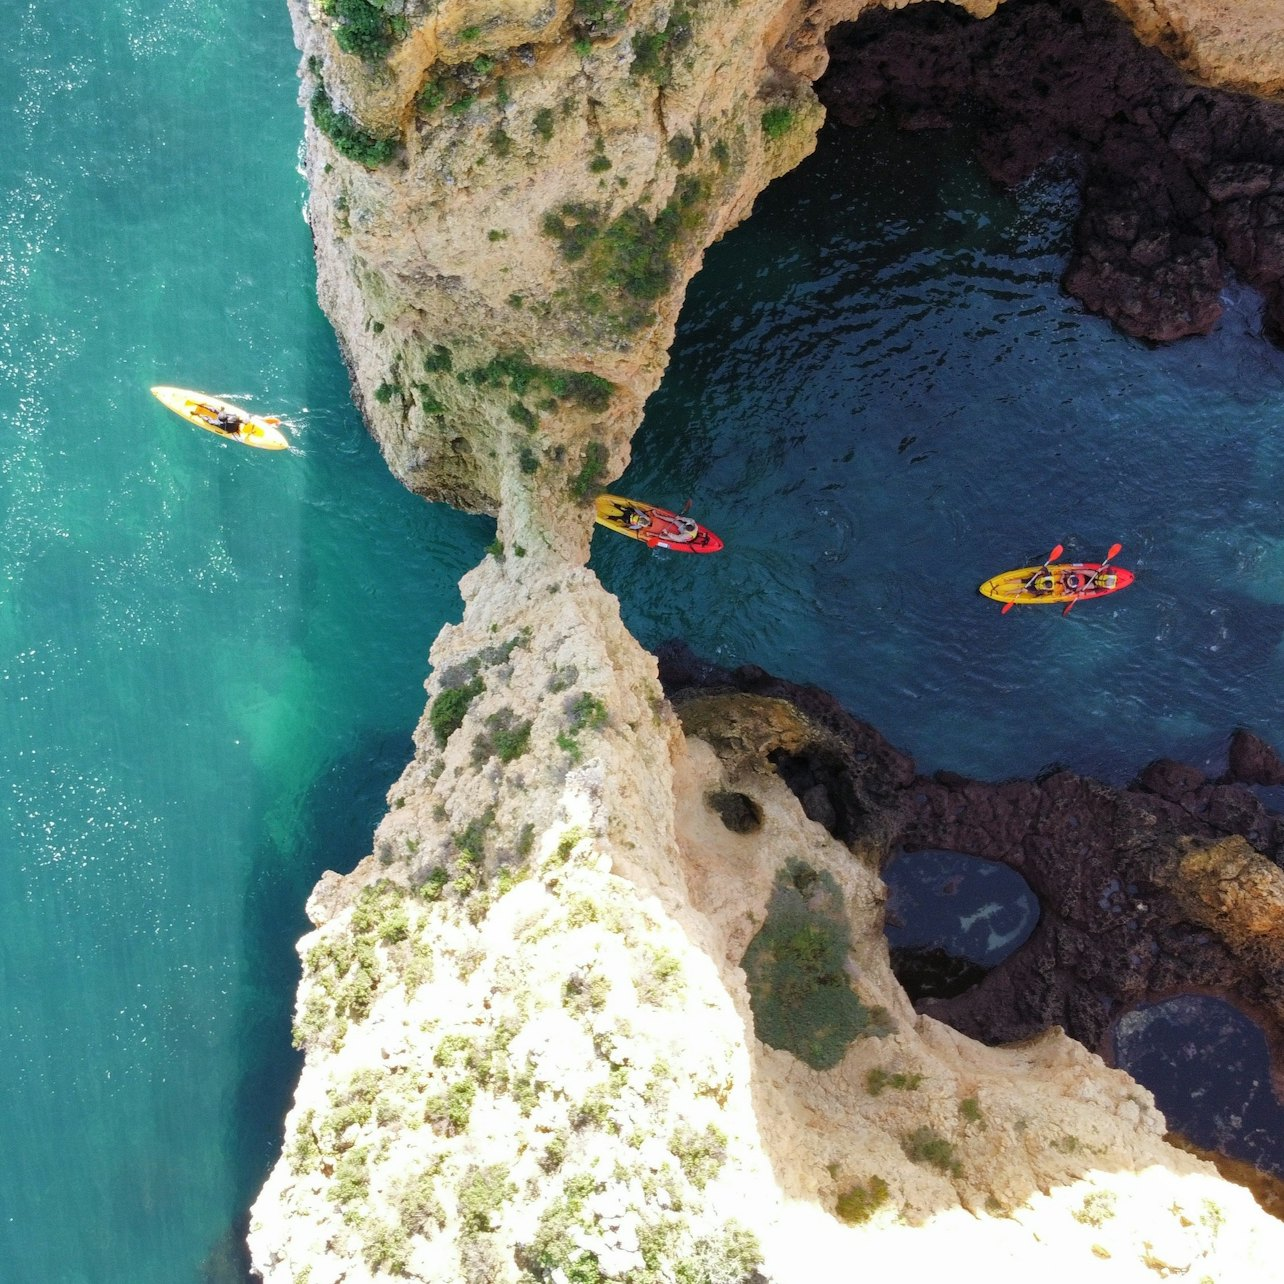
x,y
1171,885
1182,185
604,1001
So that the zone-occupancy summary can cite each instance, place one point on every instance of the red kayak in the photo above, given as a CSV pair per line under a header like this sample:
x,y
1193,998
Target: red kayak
x,y
655,527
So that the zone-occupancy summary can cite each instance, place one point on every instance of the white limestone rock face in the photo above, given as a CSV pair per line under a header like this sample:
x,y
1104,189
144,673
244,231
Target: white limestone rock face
x,y
521,1058
532,1053
531,1048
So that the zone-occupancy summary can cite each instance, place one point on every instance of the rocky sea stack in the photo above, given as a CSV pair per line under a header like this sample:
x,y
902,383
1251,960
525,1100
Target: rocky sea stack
x,y
609,998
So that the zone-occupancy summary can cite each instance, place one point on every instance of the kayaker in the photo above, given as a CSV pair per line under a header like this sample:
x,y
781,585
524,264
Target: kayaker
x,y
226,421
686,530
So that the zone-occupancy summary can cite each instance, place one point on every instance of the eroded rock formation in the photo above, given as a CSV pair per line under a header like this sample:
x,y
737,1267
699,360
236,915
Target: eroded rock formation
x,y
532,1052
1171,885
1181,184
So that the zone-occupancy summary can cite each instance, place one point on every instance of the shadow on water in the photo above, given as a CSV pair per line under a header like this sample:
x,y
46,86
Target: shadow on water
x,y
339,814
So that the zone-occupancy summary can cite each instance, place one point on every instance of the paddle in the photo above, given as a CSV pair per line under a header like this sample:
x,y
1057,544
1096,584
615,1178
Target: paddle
x,y
1052,557
1113,551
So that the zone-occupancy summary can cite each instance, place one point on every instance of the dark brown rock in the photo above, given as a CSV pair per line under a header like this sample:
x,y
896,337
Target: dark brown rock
x,y
1251,761
1180,183
1169,886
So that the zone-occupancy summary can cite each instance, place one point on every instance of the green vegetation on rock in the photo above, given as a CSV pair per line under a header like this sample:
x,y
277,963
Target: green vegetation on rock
x,y
858,1204
439,360
630,260
447,713
877,1079
458,86
777,121
481,1193
924,1146
363,28
801,998
599,19
347,968
701,1154
516,372
681,149
653,51
586,480
348,137
506,737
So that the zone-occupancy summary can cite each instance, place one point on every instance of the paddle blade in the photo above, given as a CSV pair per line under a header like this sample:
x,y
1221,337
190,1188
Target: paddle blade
x,y
1007,606
1115,550
1056,552
1069,604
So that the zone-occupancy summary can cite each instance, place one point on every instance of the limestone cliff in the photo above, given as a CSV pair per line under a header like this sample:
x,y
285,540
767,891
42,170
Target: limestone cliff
x,y
602,1003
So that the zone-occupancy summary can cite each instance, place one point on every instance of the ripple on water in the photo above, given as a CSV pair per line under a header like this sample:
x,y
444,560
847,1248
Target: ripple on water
x,y
927,408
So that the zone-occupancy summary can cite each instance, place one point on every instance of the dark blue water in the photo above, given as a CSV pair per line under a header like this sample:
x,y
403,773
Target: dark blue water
x,y
971,908
879,397
1208,1067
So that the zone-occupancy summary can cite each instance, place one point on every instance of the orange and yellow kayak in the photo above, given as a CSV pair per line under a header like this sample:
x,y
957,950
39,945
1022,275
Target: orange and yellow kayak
x,y
1061,582
1064,582
655,527
219,416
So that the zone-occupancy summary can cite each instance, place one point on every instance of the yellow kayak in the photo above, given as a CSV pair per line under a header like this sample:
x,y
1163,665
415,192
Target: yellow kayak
x,y
1062,582
655,527
219,416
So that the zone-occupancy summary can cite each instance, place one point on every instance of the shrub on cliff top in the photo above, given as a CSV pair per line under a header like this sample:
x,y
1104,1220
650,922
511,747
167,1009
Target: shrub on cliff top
x,y
801,999
480,1194
363,28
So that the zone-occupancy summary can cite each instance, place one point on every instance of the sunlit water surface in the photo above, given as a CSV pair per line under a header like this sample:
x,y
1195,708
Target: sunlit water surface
x,y
211,658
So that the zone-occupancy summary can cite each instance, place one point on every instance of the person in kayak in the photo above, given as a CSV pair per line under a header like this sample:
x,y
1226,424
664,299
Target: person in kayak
x,y
226,421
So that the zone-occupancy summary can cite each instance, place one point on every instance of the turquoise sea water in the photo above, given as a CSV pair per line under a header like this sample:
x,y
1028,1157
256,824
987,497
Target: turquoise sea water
x,y
211,658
